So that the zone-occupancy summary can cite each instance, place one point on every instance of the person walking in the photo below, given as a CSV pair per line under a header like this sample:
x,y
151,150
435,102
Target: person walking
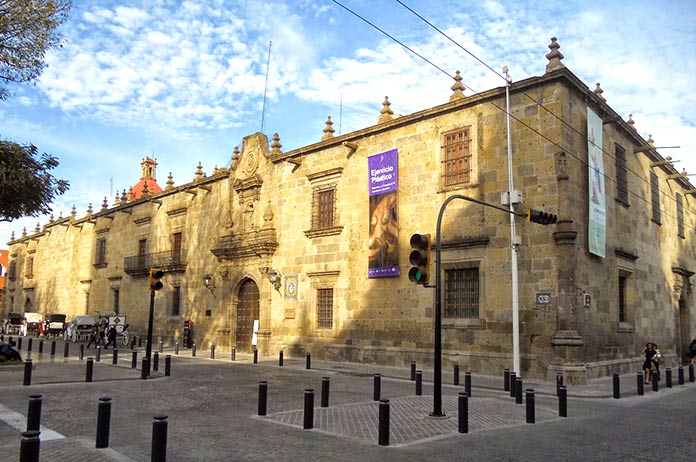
x,y
93,336
111,337
656,360
648,353
692,351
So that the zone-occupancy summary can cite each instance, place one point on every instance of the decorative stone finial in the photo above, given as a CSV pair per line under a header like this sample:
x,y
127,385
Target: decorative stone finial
x,y
38,228
129,195
215,170
650,140
12,236
90,210
124,196
598,91
146,191
275,145
105,205
73,212
386,112
554,57
458,88
235,159
199,173
117,199
24,232
268,216
60,215
328,130
170,182
50,219
631,122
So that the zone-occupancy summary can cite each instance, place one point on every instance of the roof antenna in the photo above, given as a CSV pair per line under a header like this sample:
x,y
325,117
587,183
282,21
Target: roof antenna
x,y
265,88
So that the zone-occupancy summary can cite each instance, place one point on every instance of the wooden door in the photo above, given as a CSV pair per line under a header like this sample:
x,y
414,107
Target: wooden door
x,y
247,312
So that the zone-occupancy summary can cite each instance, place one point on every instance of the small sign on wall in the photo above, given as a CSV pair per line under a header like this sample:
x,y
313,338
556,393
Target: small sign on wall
x,y
291,287
543,298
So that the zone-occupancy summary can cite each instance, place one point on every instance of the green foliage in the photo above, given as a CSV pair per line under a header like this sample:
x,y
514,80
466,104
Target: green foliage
x,y
28,28
27,187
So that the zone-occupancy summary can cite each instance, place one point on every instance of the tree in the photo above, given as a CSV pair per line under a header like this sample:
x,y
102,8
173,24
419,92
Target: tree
x,y
27,187
28,28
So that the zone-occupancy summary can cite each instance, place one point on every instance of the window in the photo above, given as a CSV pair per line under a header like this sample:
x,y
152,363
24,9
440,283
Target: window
x,y
176,301
680,216
462,293
86,302
100,256
324,207
30,267
176,247
12,271
117,301
655,196
621,178
325,308
142,252
456,157
622,298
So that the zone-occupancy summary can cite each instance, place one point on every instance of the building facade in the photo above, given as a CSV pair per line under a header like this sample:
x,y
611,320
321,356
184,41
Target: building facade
x,y
308,249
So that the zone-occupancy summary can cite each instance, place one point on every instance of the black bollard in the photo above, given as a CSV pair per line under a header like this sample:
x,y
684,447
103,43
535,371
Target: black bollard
x,y
114,357
559,381
655,385
144,369
168,365
103,422
27,372
384,422
280,358
159,439
66,349
467,383
376,387
256,356
82,351
518,390
529,405
562,401
161,347
193,350
463,417
456,374
680,375
639,383
155,361
691,372
53,347
28,344
263,397
668,377
89,369
325,381
19,343
212,351
132,343
616,386
413,371
98,353
134,360
513,383
506,379
234,353
34,413
308,408
309,361
419,383
140,342
176,348
40,346
29,447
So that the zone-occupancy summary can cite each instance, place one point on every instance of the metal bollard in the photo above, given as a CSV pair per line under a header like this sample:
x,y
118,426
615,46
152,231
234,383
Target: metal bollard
x,y
29,447
66,349
176,348
19,343
419,383
308,408
89,369
467,383
655,385
562,401
529,405
159,439
616,386
518,390
456,374
34,413
134,360
27,372
98,353
40,345
103,422
668,377
53,347
168,365
212,351
513,383
161,346
82,351
413,371
559,381
680,375
639,384
256,356
144,368
193,350
155,361
506,379
376,387
140,342
691,372
384,422
28,344
234,353
325,381
280,358
309,360
263,397
114,357
132,343
463,418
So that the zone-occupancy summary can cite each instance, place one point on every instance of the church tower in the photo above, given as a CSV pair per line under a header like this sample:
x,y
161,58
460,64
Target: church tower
x,y
148,179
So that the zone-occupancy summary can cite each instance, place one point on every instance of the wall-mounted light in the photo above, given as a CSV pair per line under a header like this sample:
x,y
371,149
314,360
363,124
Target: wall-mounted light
x,y
209,282
274,278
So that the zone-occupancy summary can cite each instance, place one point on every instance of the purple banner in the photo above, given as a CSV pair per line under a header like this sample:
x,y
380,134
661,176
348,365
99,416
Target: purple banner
x,y
383,243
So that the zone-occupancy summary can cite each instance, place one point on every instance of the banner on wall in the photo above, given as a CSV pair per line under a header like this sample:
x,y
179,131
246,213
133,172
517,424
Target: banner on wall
x,y
597,222
383,241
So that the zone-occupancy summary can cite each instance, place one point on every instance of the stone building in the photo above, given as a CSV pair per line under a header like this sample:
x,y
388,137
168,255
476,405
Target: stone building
x,y
308,249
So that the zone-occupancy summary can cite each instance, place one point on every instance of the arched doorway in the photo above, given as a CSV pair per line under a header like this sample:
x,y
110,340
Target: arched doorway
x,y
247,312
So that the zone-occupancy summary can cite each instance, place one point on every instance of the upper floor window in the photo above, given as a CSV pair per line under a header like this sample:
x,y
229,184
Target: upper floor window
x,y
680,216
462,293
456,157
622,298
100,255
30,267
621,177
655,198
176,301
325,308
117,300
12,271
324,207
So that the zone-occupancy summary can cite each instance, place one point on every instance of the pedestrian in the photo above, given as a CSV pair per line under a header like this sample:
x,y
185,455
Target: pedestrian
x,y
111,336
692,351
648,353
93,336
102,335
656,360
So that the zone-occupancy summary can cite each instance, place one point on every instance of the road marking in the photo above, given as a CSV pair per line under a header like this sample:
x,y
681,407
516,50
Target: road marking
x,y
19,423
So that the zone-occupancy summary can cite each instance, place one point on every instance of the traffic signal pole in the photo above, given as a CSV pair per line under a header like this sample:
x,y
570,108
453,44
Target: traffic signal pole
x,y
148,351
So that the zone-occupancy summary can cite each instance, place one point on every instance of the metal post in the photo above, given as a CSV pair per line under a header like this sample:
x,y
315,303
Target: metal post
x,y
140,341
325,381
463,412
27,372
66,349
467,383
114,357
144,369
40,345
680,374
263,397
234,353
150,322
82,351
132,345
134,360
34,413
506,379
155,363
563,401
159,438
168,365
193,349
309,360
29,447
691,372
89,369
559,381
529,405
280,358
639,383
98,353
53,347
256,356
655,385
413,371
161,346
668,377
376,387
513,383
19,343
419,383
29,344
308,408
176,348
616,386
212,351
384,422
518,390
456,374
103,422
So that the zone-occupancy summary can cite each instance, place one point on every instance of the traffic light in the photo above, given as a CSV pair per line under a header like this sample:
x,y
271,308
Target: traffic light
x,y
543,218
419,258
155,275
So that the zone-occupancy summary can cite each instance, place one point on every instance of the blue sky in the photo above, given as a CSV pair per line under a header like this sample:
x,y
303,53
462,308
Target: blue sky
x,y
183,81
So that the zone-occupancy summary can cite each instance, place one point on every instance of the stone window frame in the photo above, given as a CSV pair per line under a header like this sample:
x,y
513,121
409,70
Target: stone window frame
x,y
621,175
323,182
625,269
461,322
655,198
100,254
29,267
116,299
175,305
680,215
12,270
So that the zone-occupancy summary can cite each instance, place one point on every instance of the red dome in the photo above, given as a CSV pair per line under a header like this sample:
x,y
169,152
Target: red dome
x,y
152,188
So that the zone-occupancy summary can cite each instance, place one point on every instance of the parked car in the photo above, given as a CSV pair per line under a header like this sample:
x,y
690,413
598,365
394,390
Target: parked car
x,y
56,324
15,323
33,324
79,328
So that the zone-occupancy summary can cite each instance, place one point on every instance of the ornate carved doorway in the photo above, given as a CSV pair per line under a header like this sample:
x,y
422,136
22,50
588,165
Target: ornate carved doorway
x,y
247,312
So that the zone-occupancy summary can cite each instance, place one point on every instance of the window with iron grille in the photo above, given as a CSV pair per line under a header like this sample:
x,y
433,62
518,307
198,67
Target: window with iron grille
x,y
621,177
176,301
324,207
622,298
12,271
86,302
325,308
117,300
100,257
176,247
655,196
456,157
680,216
462,293
30,267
